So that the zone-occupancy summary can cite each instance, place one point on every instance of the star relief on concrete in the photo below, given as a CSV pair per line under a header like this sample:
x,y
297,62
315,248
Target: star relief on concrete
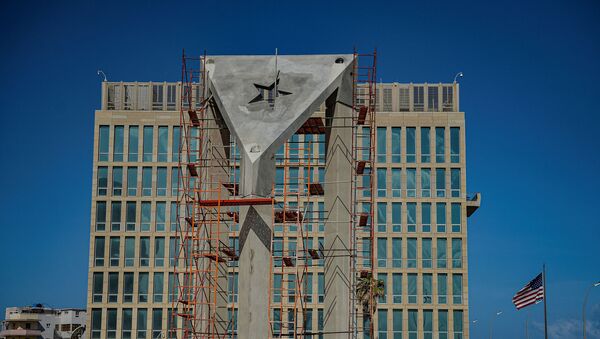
x,y
268,93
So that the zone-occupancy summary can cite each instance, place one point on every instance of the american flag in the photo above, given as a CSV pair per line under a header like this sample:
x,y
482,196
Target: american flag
x,y
532,293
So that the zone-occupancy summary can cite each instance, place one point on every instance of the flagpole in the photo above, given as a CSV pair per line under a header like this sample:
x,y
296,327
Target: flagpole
x,y
545,309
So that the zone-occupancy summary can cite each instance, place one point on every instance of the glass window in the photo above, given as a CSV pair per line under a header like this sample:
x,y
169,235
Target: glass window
x,y
100,216
413,321
396,143
293,179
426,217
381,252
148,143
432,99
456,253
381,216
440,209
455,182
442,282
427,289
411,252
115,216
455,215
193,148
366,183
163,140
381,144
457,289
454,145
443,324
419,98
142,323
173,245
175,144
129,95
366,143
383,278
411,210
411,182
397,288
381,182
157,289
321,287
103,143
99,251
118,144
130,216
126,323
440,182
440,145
160,217
426,252
115,251
172,288
161,181
96,323
173,216
133,143
174,181
442,257
131,181
425,145
111,323
117,183
410,145
397,324
404,103
129,251
97,287
146,181
448,99
425,182
143,287
159,252
157,97
146,216
366,252
144,251
427,324
102,180
396,182
396,252
113,287
396,217
458,324
382,323
171,98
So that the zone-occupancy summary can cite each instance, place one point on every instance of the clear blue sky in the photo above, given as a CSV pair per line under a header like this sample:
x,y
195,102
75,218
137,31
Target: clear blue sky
x,y
530,94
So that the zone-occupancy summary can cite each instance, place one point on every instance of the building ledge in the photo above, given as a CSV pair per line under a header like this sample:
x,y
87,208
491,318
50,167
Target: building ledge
x,y
473,203
20,333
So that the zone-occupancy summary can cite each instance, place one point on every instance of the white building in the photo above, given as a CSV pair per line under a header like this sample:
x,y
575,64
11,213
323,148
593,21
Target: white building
x,y
42,322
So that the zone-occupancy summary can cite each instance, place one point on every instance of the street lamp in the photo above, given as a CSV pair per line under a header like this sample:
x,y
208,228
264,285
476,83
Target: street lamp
x,y
458,75
492,321
585,302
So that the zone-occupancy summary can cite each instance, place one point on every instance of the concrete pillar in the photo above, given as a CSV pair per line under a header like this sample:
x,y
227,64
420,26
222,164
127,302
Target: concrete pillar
x,y
338,174
254,271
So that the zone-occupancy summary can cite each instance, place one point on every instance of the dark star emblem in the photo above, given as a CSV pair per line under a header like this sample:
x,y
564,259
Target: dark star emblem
x,y
269,93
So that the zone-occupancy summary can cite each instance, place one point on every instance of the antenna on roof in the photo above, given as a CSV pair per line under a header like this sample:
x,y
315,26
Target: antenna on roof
x,y
100,72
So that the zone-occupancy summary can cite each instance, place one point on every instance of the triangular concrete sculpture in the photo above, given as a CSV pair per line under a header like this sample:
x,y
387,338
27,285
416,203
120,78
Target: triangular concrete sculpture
x,y
265,99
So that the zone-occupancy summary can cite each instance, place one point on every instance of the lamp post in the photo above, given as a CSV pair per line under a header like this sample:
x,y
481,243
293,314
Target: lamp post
x,y
587,294
492,321
474,322
458,75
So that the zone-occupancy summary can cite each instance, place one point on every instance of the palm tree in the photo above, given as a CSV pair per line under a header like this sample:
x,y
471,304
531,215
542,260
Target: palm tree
x,y
368,290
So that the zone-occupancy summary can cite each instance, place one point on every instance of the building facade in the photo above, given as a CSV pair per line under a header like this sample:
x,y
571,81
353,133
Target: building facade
x,y
43,322
420,219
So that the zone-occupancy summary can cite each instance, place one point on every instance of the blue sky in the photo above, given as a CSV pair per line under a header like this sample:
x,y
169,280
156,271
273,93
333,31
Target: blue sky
x,y
530,95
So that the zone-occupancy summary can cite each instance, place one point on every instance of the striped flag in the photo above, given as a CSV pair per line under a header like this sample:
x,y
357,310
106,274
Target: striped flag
x,y
531,294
